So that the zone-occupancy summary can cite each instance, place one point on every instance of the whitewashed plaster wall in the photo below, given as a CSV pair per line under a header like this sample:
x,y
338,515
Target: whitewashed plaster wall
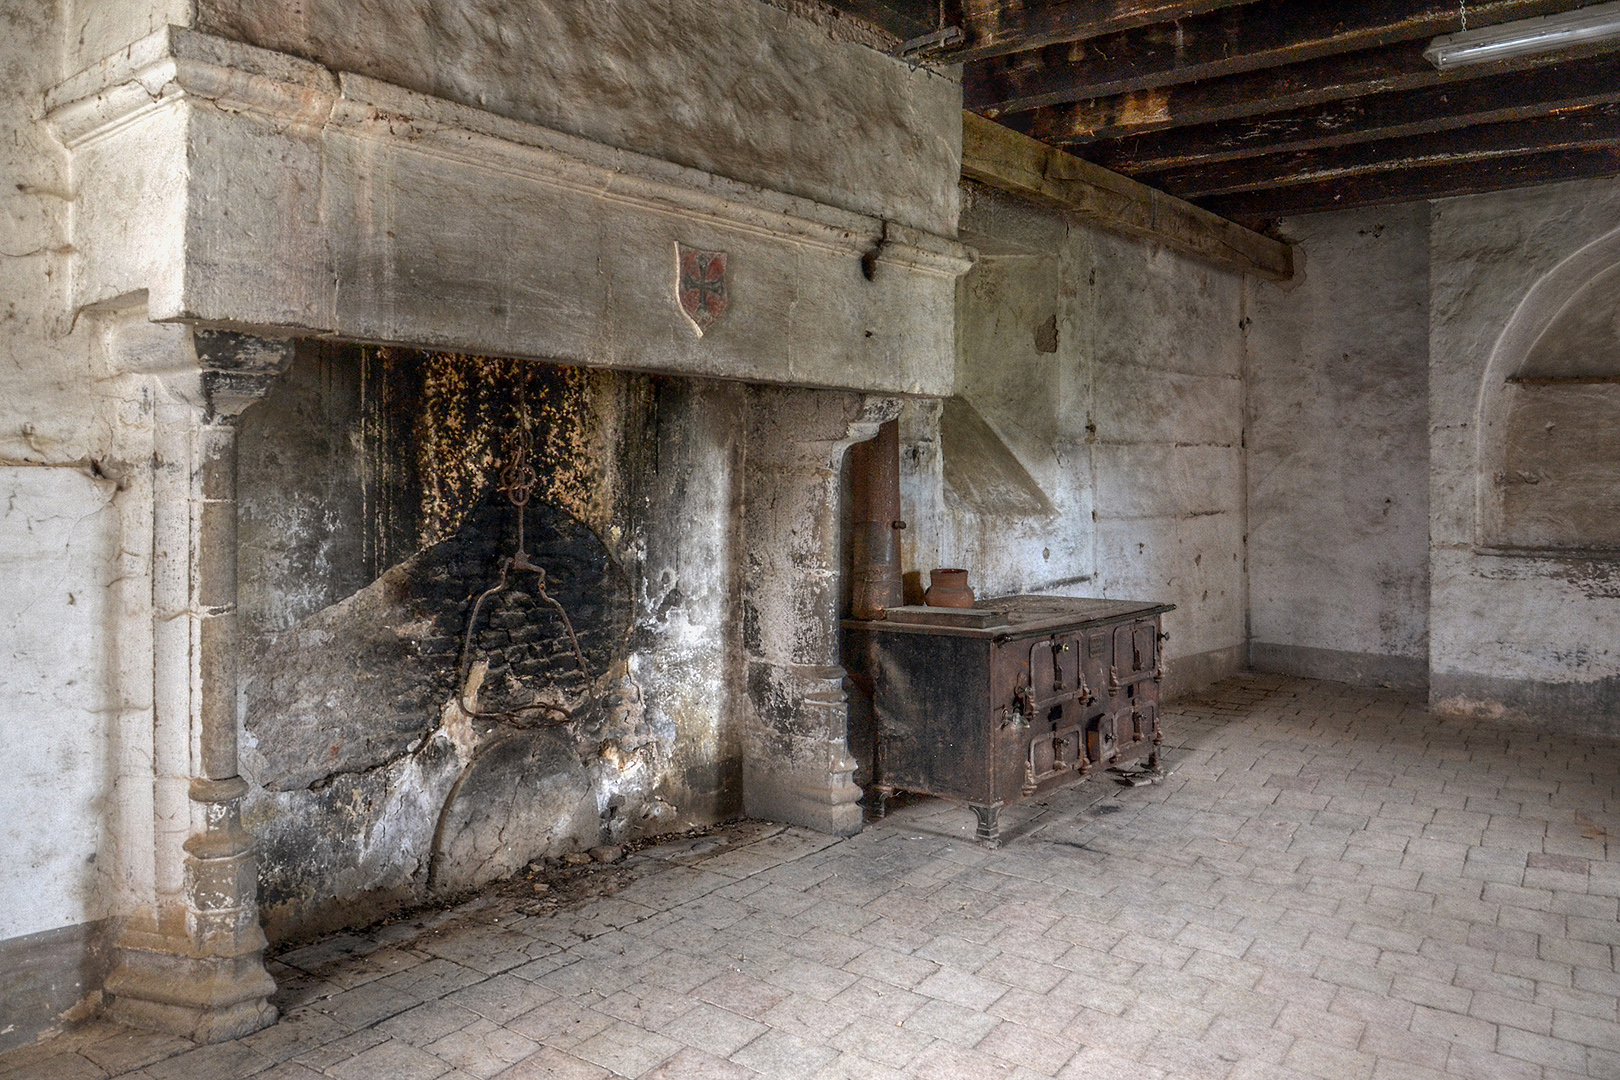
x,y
53,613
1337,384
62,492
1373,380
58,529
1531,637
1113,371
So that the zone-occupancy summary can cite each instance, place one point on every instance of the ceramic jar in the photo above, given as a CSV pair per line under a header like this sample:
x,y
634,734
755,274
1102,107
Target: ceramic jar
x,y
948,588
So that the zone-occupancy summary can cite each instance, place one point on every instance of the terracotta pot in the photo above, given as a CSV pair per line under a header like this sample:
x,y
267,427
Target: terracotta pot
x,y
948,588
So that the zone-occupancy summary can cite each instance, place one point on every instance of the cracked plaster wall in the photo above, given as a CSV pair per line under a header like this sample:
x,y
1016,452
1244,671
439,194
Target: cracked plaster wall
x,y
1113,372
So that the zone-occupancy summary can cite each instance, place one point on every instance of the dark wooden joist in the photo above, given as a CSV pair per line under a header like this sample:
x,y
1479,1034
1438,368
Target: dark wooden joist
x,y
1572,129
1280,89
1517,96
1221,43
997,27
1433,182
1005,159
903,19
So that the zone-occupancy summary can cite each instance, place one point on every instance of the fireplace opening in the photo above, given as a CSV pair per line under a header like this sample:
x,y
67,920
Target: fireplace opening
x,y
400,748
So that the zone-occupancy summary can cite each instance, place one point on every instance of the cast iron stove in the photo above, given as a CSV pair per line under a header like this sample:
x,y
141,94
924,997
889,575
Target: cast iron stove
x,y
1007,700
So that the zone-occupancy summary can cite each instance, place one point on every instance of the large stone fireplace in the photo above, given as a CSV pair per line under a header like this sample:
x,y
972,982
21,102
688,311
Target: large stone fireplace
x,y
342,314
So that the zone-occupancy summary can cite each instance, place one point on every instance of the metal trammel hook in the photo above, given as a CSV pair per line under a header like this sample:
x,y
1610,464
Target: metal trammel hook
x,y
517,482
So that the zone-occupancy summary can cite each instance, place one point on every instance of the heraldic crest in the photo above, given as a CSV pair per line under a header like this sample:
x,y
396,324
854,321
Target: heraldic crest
x,y
700,285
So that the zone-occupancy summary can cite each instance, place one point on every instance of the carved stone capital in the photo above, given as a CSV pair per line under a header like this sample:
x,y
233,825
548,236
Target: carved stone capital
x,y
238,369
218,372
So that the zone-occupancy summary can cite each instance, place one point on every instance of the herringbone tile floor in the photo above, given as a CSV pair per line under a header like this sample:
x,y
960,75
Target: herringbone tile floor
x,y
1329,883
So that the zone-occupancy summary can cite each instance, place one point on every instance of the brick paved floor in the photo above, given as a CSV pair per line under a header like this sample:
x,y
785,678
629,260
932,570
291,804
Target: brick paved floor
x,y
1329,883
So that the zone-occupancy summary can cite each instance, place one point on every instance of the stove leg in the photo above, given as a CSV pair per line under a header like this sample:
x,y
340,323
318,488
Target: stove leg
x,y
989,830
880,797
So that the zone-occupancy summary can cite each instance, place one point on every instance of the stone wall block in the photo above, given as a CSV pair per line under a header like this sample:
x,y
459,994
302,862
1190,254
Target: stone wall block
x,y
1095,446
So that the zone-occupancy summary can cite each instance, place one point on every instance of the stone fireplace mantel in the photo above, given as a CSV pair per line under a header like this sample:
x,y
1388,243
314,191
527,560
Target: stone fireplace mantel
x,y
251,190
229,199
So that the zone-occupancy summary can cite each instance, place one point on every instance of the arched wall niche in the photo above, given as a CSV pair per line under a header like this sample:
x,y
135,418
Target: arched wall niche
x,y
1548,451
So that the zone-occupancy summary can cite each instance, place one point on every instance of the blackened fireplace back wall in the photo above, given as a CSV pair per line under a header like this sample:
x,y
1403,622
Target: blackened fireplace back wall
x,y
372,514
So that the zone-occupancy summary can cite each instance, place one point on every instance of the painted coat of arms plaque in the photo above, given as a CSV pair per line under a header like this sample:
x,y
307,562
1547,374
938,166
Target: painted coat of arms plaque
x,y
700,285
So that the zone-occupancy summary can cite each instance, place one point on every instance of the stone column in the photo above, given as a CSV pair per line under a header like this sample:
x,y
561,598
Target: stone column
x,y
191,959
797,767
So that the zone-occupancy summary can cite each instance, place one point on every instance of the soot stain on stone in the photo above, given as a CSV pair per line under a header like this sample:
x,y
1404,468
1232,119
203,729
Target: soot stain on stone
x,y
349,713
520,637
441,426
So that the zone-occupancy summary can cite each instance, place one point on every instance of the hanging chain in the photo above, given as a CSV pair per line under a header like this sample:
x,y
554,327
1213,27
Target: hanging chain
x,y
518,478
1462,12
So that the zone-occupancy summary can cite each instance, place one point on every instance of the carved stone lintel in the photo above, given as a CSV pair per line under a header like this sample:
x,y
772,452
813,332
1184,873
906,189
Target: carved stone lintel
x,y
259,146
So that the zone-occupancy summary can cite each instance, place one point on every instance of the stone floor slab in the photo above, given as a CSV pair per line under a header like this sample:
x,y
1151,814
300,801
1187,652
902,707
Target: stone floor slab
x,y
1326,882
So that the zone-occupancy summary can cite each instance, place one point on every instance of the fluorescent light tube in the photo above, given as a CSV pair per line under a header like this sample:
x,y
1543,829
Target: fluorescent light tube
x,y
1598,22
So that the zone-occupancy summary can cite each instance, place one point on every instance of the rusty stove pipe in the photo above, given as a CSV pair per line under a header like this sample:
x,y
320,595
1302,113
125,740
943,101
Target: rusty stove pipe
x,y
875,494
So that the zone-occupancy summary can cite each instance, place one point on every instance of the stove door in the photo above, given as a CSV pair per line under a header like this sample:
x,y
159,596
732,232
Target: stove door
x,y
1053,704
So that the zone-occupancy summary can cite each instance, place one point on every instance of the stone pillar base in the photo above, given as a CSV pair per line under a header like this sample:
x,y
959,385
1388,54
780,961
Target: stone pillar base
x,y
804,779
796,800
207,999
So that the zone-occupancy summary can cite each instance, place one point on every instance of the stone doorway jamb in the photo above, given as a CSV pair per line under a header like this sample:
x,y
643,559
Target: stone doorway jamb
x,y
190,955
797,767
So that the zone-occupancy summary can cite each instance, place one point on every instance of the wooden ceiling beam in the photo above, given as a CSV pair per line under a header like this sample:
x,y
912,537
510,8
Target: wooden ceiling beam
x,y
1005,159
1589,126
904,19
1280,89
1221,43
1432,182
1497,99
997,27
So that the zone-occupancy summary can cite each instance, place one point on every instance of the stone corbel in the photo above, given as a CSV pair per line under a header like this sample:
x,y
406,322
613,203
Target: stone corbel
x,y
797,766
191,955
